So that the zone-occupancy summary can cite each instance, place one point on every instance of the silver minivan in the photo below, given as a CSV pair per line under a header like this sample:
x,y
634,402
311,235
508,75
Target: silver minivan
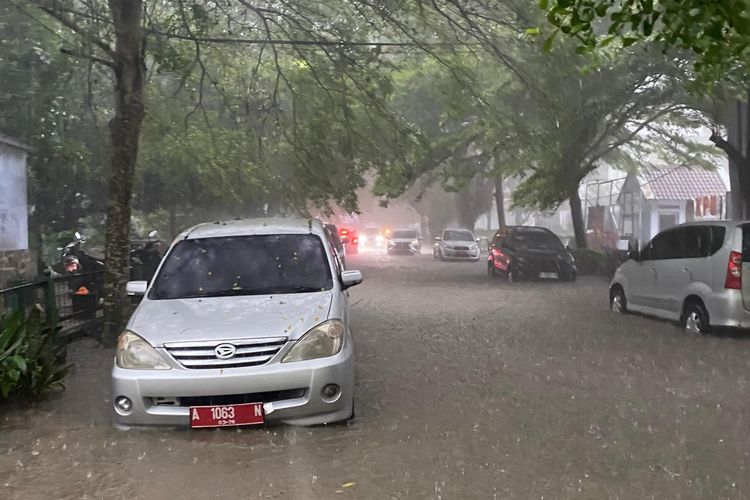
x,y
245,322
692,273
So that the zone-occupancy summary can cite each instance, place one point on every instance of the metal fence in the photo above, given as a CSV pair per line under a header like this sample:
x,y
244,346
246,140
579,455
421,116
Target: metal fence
x,y
72,302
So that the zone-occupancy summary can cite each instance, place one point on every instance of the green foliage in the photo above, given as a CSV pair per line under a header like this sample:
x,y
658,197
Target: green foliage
x,y
718,32
591,262
32,358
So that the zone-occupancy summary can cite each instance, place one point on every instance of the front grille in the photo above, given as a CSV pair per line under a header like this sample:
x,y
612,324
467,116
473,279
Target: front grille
x,y
202,355
231,399
462,248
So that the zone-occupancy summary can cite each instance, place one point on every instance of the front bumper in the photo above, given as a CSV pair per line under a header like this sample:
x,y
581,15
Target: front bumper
x,y
403,249
455,254
149,389
531,269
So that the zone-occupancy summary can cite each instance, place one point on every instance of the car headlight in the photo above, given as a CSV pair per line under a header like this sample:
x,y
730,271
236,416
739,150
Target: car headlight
x,y
363,239
323,341
136,354
415,242
474,247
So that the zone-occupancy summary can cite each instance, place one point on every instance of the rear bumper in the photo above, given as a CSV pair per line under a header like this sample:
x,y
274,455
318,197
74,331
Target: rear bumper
x,y
726,309
305,379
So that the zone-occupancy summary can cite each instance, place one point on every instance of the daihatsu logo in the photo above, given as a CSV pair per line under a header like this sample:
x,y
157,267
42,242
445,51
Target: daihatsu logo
x,y
225,351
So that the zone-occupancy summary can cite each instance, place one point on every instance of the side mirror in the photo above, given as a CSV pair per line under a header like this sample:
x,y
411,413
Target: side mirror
x,y
438,238
136,288
351,278
634,255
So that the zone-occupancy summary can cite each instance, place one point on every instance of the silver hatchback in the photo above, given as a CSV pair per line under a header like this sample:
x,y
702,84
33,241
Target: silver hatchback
x,y
246,322
692,273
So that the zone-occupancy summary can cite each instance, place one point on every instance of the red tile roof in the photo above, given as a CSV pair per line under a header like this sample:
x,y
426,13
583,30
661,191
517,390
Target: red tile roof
x,y
681,183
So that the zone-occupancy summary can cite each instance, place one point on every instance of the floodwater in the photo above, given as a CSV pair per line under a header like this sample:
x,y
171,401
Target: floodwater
x,y
466,388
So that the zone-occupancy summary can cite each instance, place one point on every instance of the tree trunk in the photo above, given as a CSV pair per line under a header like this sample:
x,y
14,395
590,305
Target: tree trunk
x,y
125,129
500,200
576,213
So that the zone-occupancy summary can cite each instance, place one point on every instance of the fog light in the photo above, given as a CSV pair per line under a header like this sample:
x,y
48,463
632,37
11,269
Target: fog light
x,y
330,393
123,405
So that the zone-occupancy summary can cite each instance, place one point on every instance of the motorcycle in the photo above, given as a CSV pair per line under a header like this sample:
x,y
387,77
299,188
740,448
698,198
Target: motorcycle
x,y
145,258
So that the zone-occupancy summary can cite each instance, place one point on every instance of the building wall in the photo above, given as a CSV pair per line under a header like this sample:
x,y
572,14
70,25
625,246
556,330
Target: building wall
x,y
14,229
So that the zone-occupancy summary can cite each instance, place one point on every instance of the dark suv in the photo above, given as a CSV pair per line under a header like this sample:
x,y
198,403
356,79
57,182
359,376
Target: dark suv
x,y
527,252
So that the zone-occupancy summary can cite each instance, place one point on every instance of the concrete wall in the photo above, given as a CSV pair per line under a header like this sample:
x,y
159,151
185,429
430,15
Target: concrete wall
x,y
14,228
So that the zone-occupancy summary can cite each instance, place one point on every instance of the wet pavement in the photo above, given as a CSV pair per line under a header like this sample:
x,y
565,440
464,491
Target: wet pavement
x,y
466,388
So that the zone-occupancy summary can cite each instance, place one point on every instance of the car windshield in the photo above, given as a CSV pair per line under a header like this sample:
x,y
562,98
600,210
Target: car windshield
x,y
244,265
538,238
404,234
454,235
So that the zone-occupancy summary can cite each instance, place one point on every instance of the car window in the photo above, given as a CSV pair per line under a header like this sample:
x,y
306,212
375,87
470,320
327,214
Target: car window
x,y
718,234
670,244
244,265
537,238
702,241
457,235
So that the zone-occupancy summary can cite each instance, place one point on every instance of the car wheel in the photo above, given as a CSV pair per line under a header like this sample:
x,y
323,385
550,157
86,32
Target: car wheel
x,y
569,277
617,301
695,318
510,275
491,272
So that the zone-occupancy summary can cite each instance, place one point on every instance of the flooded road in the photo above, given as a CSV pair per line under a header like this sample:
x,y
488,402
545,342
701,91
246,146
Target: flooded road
x,y
466,388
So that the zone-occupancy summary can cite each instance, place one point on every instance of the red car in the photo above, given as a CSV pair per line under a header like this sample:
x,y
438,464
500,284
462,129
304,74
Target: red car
x,y
350,239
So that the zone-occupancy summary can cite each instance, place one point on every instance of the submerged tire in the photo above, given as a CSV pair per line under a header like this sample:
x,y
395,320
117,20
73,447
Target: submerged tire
x,y
695,318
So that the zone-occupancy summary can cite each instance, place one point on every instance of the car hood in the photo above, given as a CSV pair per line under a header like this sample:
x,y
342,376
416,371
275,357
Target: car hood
x,y
228,318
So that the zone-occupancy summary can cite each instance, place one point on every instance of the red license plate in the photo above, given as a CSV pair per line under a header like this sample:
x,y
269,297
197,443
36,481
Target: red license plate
x,y
226,415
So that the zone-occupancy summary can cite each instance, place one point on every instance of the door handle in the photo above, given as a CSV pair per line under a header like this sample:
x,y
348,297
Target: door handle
x,y
688,271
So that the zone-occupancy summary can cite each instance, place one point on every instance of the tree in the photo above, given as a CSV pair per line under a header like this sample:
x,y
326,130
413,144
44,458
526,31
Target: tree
x,y
137,39
623,111
716,33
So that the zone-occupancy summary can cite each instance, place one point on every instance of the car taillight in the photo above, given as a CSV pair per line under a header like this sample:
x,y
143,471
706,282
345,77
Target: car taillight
x,y
734,271
355,241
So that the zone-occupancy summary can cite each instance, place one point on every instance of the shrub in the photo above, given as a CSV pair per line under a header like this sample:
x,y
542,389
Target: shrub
x,y
590,262
32,357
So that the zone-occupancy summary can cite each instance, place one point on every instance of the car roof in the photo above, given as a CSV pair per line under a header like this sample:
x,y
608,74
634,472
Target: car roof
x,y
722,222
248,227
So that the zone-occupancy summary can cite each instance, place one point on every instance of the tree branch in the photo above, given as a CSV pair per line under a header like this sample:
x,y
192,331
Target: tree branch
x,y
70,24
732,152
95,59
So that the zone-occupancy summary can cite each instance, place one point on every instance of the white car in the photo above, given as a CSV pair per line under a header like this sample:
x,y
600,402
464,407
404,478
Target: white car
x,y
696,274
404,241
456,244
245,322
